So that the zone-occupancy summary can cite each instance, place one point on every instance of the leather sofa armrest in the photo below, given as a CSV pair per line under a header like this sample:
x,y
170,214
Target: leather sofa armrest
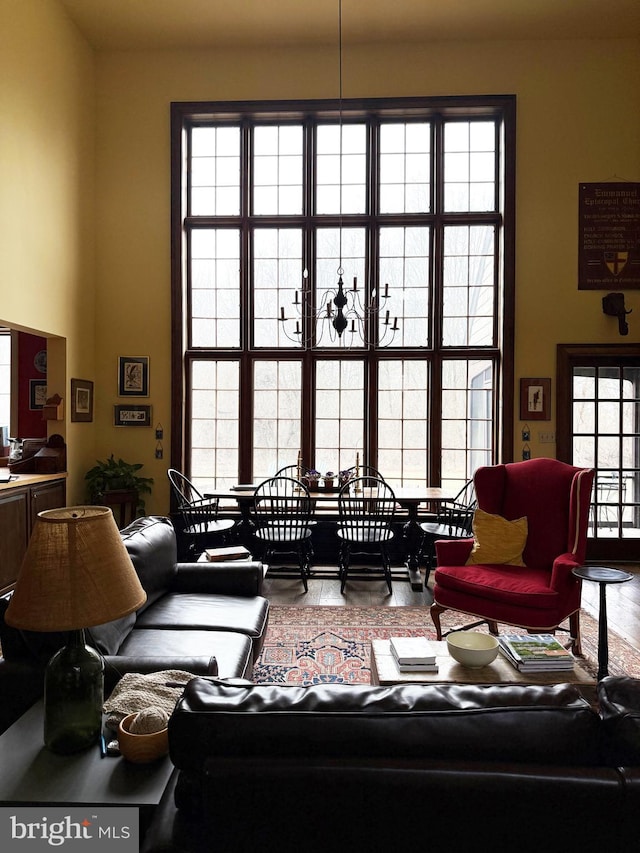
x,y
619,705
454,552
233,577
115,666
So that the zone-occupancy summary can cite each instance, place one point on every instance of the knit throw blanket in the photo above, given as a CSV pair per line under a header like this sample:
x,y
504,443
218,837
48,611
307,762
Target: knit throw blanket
x,y
136,692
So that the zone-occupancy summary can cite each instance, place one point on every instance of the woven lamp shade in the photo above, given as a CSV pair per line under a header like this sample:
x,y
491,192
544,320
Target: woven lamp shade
x,y
76,573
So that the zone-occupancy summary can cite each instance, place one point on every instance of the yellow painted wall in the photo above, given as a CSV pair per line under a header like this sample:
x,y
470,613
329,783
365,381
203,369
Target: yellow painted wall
x,y
47,169
85,201
578,120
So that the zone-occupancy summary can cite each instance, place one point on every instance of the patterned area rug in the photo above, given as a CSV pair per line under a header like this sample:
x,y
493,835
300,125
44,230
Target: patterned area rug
x,y
315,645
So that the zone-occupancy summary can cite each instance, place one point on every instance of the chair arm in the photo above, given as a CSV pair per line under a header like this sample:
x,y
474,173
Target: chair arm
x,y
232,577
453,552
561,577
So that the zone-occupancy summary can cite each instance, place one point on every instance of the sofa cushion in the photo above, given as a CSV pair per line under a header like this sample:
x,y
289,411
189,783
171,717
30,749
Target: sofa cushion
x,y
108,638
232,651
512,723
183,610
151,544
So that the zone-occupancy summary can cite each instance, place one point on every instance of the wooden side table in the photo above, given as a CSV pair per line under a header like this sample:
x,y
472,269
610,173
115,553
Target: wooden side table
x,y
32,774
603,575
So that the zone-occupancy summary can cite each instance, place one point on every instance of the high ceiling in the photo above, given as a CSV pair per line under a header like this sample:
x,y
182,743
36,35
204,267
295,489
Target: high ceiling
x,y
151,24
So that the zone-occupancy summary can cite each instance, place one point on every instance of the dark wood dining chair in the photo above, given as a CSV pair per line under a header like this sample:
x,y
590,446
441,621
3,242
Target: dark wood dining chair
x,y
366,510
201,524
454,520
282,525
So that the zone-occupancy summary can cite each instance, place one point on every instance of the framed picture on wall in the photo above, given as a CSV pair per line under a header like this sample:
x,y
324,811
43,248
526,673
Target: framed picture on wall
x,y
133,416
81,400
37,393
133,376
535,399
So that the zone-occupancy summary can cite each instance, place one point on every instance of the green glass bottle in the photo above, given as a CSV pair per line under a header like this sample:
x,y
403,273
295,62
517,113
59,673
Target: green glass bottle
x,y
73,697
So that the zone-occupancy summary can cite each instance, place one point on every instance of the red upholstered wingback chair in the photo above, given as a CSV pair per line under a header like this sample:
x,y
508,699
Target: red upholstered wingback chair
x,y
540,595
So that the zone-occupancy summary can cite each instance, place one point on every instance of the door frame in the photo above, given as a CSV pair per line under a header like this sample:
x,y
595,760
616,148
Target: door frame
x,y
569,356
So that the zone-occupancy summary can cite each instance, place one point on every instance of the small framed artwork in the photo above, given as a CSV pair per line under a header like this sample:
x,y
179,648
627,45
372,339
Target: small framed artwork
x,y
37,393
81,400
535,399
125,415
133,376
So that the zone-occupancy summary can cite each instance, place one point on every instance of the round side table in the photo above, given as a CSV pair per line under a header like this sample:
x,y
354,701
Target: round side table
x,y
603,575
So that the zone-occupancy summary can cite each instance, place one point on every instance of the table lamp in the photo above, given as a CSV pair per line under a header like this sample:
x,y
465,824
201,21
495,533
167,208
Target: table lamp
x,y
76,573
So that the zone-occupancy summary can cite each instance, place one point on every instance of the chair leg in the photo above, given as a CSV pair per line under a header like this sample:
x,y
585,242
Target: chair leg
x,y
344,565
435,611
386,564
430,560
302,563
493,627
574,633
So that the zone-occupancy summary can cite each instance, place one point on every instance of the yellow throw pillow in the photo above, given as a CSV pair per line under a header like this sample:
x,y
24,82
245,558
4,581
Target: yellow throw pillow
x,y
497,540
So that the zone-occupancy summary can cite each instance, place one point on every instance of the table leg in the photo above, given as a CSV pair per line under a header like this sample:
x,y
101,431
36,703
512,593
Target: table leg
x,y
413,537
603,641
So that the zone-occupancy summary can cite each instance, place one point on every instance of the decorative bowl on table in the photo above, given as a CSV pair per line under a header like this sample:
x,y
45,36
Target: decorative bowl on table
x,y
141,747
472,649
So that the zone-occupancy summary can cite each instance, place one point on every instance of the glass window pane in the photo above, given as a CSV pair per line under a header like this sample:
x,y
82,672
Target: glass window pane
x,y
277,170
341,156
277,280
334,245
470,166
215,288
467,405
215,162
404,286
277,416
468,310
402,434
405,168
339,423
214,419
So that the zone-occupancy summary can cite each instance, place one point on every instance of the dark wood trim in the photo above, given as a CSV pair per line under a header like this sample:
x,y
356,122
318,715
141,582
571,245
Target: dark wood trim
x,y
185,114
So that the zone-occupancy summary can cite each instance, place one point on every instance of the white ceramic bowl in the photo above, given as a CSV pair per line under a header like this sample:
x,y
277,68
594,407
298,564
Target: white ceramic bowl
x,y
472,649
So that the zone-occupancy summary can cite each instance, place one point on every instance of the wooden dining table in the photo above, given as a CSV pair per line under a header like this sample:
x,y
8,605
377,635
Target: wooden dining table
x,y
412,499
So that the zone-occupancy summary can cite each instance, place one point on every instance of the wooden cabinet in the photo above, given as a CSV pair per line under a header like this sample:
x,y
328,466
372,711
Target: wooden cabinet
x,y
14,534
19,508
46,496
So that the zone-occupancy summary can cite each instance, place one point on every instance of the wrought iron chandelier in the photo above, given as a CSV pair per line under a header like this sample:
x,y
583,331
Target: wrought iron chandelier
x,y
342,314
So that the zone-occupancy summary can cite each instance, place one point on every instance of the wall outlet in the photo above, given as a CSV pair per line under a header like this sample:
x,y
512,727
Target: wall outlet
x,y
546,437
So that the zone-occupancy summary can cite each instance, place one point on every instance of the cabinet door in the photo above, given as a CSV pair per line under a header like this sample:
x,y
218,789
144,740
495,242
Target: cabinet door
x,y
47,496
13,535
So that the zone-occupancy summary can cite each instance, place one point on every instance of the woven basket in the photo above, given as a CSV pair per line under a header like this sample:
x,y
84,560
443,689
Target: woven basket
x,y
141,748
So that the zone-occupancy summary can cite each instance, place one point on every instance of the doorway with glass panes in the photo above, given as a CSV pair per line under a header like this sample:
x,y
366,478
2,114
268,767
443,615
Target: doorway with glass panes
x,y
599,426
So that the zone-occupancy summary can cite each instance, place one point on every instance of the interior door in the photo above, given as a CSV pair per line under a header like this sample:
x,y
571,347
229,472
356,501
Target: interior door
x,y
598,426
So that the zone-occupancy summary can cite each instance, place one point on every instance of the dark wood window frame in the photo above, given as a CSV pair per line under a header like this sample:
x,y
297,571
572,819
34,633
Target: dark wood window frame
x,y
433,109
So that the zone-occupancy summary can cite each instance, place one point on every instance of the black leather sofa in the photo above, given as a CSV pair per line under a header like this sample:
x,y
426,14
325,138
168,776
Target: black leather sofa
x,y
198,617
411,767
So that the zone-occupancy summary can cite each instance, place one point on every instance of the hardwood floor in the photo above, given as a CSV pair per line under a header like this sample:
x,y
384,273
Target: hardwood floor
x,y
623,600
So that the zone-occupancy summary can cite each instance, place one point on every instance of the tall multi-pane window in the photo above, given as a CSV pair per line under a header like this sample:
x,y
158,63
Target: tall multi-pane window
x,y
406,207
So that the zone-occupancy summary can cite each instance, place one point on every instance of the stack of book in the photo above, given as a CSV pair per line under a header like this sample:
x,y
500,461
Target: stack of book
x,y
535,652
413,654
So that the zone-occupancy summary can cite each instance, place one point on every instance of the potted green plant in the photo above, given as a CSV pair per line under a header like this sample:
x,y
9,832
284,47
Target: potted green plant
x,y
116,475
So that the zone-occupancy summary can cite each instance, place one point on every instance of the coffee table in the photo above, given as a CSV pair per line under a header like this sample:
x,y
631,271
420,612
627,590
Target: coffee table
x,y
384,671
